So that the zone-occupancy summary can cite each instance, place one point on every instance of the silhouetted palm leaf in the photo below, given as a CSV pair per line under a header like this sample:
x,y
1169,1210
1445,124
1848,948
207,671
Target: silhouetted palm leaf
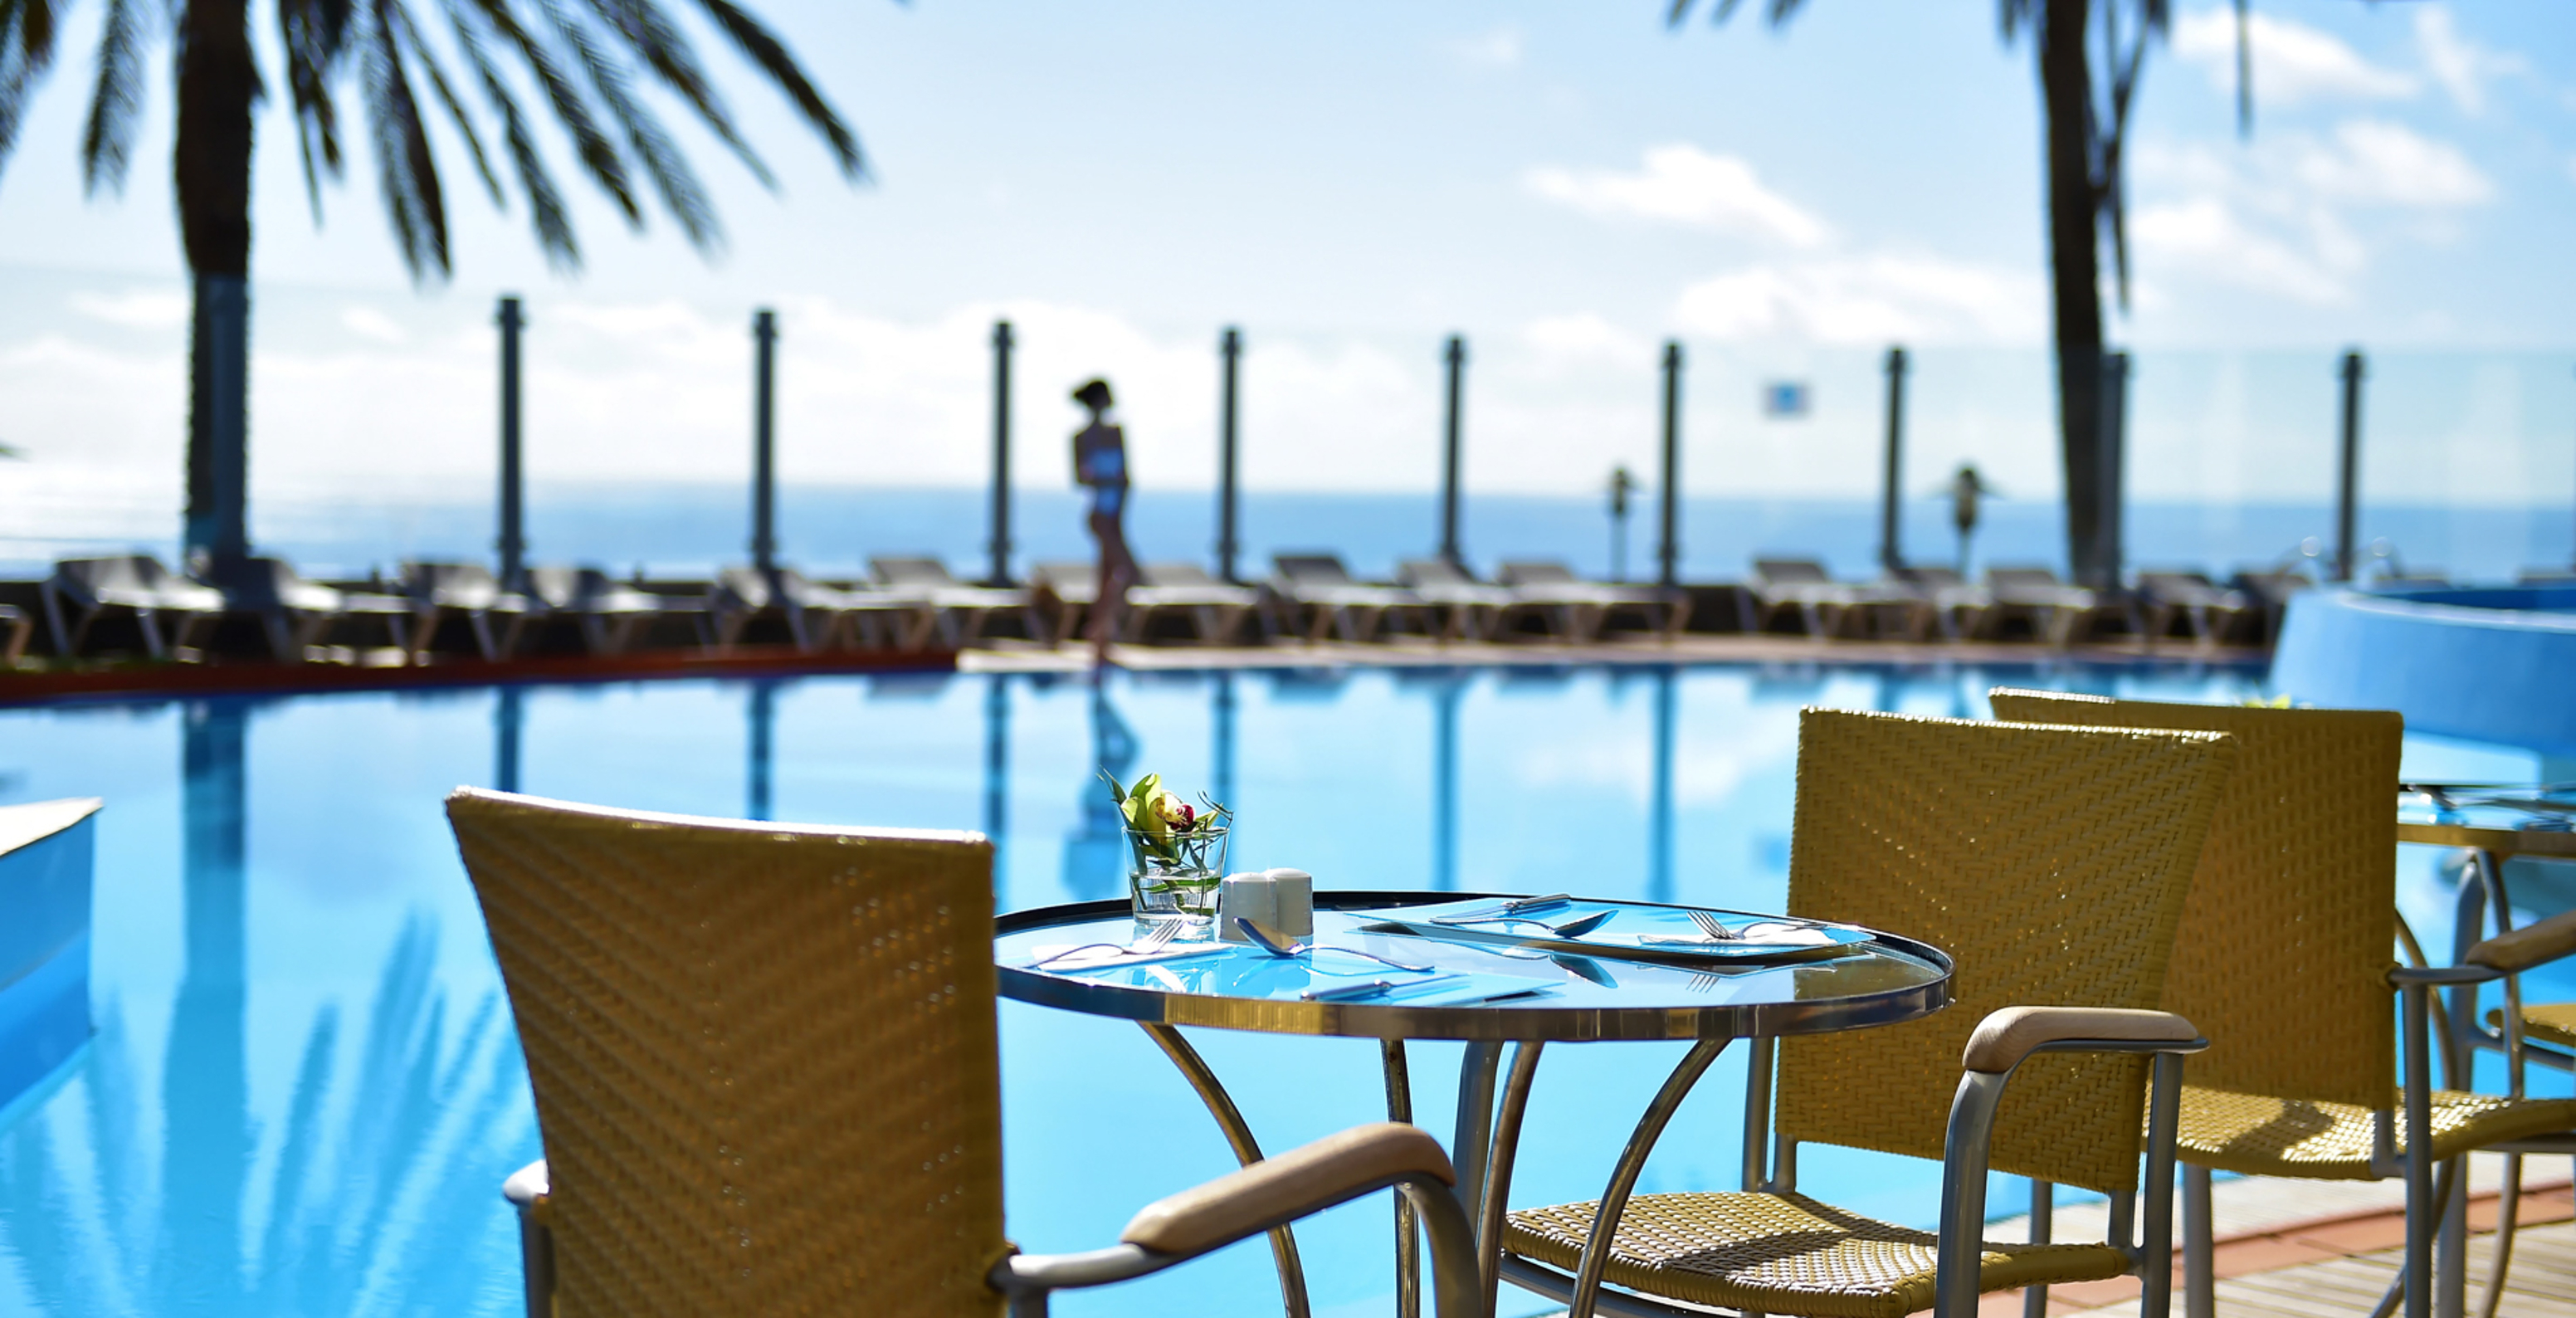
x,y
116,102
589,60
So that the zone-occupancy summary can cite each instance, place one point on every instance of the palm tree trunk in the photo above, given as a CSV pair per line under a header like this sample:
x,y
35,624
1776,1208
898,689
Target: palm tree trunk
x,y
2066,90
218,86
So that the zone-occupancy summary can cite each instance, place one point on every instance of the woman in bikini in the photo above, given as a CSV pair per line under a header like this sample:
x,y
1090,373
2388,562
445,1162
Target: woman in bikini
x,y
1100,464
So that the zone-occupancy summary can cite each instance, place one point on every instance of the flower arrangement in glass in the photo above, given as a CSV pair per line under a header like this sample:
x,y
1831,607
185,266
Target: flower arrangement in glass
x,y
1176,853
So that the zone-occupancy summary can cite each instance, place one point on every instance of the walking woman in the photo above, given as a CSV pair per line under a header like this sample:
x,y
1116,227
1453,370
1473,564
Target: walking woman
x,y
1100,463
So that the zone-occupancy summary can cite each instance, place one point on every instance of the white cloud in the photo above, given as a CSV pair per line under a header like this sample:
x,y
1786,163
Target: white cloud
x,y
2373,161
142,309
1586,337
1501,48
2292,61
369,323
2460,65
1682,184
1868,300
2205,234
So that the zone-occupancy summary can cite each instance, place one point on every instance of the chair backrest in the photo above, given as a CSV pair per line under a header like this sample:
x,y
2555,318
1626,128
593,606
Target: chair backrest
x,y
763,1055
1431,572
1535,572
1176,574
118,572
1311,569
2285,944
2050,863
911,571
1932,576
2022,576
557,587
741,587
456,585
1791,571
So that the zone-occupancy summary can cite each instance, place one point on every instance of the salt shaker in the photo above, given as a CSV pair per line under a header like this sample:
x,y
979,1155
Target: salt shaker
x,y
1250,895
1293,901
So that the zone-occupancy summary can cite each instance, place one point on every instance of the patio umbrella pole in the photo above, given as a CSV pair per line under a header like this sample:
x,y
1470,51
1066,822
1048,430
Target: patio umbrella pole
x,y
2348,465
514,542
764,472
1891,556
1668,548
1000,576
1230,349
1456,357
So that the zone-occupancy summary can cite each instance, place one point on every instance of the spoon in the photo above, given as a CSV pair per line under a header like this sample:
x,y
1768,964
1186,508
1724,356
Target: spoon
x,y
1277,943
1575,928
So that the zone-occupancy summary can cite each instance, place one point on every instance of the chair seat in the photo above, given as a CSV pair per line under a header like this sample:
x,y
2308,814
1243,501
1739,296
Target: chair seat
x,y
2258,1135
2545,1022
1784,1254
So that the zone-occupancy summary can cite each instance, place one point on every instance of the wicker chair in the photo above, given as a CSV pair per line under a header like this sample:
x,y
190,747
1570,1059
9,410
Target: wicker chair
x,y
765,1073
2052,864
2284,961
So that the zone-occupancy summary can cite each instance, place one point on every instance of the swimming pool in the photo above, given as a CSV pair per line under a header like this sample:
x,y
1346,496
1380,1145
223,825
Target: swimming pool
x,y
303,1092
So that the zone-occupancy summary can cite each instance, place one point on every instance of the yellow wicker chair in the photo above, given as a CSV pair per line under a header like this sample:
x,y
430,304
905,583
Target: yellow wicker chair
x,y
2284,960
765,1073
2051,863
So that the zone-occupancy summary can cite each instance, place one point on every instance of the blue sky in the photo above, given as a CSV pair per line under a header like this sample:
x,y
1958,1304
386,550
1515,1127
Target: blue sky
x,y
1567,183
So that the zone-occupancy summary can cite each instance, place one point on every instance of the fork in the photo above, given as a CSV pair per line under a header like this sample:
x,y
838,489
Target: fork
x,y
1151,942
1710,925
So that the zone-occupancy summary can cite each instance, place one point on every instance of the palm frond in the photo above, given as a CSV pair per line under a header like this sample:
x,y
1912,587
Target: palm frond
x,y
314,33
598,155
26,51
409,172
447,98
666,51
546,213
772,56
116,103
653,148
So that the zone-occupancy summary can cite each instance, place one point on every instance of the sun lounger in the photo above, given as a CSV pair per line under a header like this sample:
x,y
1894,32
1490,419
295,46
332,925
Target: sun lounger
x,y
1061,594
470,589
816,615
1953,604
959,609
1471,610
2058,612
1578,608
2205,609
1803,587
609,611
2271,589
89,587
296,612
20,628
1317,591
1216,610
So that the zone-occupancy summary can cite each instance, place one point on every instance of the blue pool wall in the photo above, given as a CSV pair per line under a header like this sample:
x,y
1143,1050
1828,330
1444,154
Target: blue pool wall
x,y
2494,664
44,954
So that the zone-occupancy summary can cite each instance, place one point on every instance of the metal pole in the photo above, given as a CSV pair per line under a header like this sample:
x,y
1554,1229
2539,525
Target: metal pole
x,y
764,468
514,542
1230,347
2110,465
2348,466
1891,552
1456,356
1001,573
1669,548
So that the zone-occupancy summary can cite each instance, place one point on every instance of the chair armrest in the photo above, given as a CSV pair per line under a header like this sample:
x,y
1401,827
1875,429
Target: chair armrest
x,y
2008,1035
1302,1180
2405,976
2545,940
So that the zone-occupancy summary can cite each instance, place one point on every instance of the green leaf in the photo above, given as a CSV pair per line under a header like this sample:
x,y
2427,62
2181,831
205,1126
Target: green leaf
x,y
1116,792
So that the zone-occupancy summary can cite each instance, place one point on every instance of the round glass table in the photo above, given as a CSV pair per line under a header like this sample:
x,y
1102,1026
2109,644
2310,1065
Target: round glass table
x,y
1385,966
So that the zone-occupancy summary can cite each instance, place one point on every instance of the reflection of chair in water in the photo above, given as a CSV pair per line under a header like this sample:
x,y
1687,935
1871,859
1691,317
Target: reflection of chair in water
x,y
1095,855
815,1008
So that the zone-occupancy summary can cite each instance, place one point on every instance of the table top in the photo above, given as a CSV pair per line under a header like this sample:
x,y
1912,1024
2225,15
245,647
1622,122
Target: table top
x,y
1882,980
2510,820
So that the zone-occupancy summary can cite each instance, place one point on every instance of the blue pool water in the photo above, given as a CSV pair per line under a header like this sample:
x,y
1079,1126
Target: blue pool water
x,y
303,1091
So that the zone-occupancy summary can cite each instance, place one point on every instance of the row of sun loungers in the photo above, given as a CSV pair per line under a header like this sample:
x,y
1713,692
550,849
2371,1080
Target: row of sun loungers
x,y
913,603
